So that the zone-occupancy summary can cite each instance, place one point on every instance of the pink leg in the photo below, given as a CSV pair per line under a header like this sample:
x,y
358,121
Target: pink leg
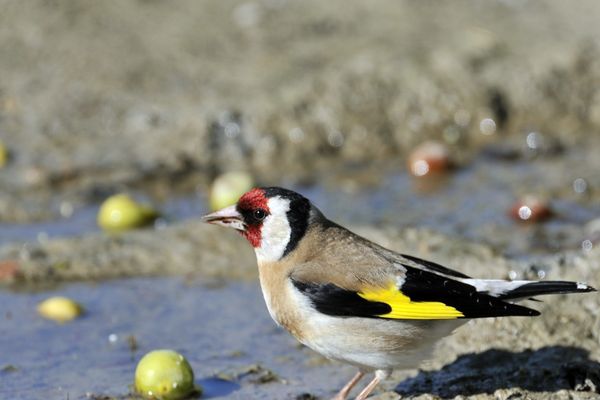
x,y
342,394
379,376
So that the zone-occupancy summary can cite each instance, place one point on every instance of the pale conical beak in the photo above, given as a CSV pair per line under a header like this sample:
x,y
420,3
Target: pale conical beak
x,y
228,217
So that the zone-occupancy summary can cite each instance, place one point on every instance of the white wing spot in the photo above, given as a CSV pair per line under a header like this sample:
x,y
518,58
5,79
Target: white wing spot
x,y
581,286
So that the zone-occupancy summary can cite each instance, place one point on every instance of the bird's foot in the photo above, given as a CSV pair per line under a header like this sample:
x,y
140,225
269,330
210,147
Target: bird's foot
x,y
379,376
343,394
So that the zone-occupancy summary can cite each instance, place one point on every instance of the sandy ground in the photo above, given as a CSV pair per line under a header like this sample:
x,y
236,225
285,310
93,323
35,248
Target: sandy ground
x,y
95,96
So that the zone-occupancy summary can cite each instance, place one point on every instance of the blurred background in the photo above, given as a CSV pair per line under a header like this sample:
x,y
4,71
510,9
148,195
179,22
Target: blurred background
x,y
465,132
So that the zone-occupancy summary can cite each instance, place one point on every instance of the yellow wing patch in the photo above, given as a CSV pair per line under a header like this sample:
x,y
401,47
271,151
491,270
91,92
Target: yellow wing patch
x,y
404,308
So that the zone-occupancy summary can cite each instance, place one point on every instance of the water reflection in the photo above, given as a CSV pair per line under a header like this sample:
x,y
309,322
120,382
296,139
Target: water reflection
x,y
580,185
487,126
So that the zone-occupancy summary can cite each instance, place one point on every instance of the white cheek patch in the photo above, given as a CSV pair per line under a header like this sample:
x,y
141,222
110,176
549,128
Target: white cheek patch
x,y
275,232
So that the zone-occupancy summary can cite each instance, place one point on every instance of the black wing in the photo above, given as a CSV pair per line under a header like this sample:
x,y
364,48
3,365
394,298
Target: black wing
x,y
420,285
423,295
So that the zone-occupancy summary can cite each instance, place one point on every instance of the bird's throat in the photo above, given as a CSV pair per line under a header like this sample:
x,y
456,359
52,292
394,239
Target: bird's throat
x,y
253,235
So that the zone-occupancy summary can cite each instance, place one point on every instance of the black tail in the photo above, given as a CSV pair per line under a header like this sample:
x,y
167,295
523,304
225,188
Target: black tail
x,y
545,287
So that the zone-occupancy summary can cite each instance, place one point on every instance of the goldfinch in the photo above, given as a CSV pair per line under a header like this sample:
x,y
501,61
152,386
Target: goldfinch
x,y
357,302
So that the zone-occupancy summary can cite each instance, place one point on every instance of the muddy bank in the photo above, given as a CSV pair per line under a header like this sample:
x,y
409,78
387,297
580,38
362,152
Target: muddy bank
x,y
189,248
192,247
197,248
96,96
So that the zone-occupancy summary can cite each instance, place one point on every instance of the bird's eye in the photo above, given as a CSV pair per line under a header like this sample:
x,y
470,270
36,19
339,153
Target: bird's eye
x,y
259,214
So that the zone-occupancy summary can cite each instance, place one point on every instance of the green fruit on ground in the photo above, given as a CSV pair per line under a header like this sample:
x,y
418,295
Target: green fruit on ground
x,y
164,375
3,155
227,188
59,309
120,212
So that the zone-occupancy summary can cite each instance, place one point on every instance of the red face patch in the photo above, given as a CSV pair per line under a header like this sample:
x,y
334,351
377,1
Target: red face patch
x,y
251,201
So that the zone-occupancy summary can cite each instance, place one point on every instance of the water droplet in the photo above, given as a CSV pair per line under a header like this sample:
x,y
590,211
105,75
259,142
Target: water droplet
x,y
487,126
112,338
524,212
232,130
541,274
420,168
429,157
534,140
531,208
580,185
335,139
66,209
296,135
587,245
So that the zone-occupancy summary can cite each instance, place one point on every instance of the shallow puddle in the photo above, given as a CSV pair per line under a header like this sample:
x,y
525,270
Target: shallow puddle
x,y
472,203
222,330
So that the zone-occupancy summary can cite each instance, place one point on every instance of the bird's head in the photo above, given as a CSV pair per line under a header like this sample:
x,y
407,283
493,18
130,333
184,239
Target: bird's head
x,y
272,219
